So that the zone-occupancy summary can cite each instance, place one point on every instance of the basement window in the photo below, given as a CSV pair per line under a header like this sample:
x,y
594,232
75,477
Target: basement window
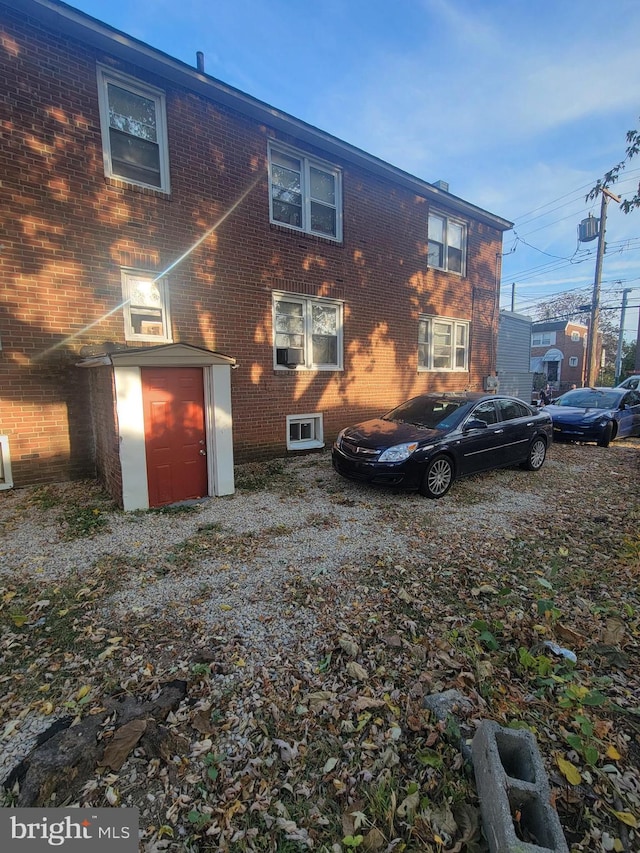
x,y
305,432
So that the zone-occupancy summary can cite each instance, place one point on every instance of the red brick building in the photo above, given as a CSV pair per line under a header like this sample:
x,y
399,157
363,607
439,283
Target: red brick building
x,y
558,353
156,220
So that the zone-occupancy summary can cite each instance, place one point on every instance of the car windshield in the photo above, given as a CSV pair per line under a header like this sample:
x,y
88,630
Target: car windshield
x,y
589,398
429,412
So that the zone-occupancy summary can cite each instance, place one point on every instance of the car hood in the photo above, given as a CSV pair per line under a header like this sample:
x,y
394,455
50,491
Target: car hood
x,y
380,433
573,414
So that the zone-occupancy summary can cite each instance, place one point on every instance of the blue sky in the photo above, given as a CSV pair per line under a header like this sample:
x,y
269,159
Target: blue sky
x,y
519,105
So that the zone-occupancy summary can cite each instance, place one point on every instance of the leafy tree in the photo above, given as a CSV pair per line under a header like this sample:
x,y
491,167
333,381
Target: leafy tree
x,y
610,177
567,306
628,358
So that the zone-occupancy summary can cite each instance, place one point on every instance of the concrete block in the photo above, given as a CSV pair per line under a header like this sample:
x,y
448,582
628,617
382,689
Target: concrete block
x,y
514,792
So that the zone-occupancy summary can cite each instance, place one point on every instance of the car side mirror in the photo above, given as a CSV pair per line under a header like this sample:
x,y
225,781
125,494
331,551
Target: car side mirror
x,y
474,423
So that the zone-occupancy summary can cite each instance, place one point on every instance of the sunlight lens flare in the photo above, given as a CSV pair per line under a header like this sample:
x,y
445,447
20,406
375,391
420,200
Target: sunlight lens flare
x,y
159,276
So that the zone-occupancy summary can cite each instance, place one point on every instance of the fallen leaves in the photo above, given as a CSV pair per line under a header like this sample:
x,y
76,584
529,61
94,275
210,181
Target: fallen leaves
x,y
328,745
357,671
569,771
122,742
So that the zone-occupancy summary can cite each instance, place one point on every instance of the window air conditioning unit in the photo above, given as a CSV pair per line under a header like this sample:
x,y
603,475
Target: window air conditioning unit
x,y
289,356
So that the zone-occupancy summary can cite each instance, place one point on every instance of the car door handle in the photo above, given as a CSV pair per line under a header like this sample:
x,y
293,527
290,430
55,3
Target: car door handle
x,y
497,431
530,424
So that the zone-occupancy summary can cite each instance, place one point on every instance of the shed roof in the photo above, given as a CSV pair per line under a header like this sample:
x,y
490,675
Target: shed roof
x,y
162,355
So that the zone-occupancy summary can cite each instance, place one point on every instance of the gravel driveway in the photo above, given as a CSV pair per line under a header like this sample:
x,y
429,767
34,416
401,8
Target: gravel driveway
x,y
296,518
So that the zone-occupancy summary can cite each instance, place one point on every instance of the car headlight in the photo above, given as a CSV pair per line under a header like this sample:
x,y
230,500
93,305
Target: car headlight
x,y
340,436
398,453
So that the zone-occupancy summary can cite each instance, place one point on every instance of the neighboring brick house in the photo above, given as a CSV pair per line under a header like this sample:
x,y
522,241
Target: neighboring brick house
x,y
558,353
161,228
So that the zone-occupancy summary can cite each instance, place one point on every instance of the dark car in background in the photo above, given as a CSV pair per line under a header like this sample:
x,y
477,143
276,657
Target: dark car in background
x,y
596,414
431,440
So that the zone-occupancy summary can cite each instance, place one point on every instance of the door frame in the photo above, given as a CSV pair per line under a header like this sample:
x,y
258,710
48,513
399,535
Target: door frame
x,y
216,374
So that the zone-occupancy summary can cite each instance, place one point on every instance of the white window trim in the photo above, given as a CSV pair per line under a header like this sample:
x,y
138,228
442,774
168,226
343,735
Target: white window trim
x,y
575,336
573,361
430,318
6,477
539,339
163,286
307,162
107,75
446,220
307,301
315,443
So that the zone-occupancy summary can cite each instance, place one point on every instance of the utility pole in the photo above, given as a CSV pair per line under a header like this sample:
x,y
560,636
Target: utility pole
x,y
623,313
513,297
592,349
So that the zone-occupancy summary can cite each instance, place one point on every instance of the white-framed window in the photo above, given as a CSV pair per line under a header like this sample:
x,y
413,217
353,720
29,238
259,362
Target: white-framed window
x,y
6,478
304,193
575,336
543,339
447,244
573,361
134,130
443,344
307,333
305,432
145,307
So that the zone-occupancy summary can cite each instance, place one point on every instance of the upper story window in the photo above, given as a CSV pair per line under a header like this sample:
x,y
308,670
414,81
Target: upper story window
x,y
447,244
443,344
543,339
134,130
145,307
575,336
307,333
305,194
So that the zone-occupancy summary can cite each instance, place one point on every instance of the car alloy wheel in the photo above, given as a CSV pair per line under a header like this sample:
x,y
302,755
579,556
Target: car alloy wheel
x,y
437,478
537,454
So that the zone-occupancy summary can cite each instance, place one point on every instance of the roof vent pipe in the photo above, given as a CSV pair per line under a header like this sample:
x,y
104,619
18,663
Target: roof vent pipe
x,y
442,185
200,61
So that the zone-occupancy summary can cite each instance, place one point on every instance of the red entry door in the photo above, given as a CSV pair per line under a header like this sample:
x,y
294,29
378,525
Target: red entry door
x,y
173,399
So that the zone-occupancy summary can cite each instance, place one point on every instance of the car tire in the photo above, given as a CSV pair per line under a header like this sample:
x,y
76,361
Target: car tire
x,y
607,435
537,454
438,477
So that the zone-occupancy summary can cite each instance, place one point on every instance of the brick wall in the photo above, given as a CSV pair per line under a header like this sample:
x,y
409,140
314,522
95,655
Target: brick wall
x,y
107,447
67,231
573,349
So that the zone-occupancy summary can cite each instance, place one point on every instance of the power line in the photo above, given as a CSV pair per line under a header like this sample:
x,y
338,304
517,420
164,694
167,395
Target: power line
x,y
631,244
519,219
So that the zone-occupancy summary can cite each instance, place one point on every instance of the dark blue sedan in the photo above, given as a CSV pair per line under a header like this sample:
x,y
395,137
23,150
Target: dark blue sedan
x,y
431,440
596,414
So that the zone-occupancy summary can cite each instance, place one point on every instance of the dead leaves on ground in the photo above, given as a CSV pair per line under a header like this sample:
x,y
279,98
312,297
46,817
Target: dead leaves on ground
x,y
338,752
